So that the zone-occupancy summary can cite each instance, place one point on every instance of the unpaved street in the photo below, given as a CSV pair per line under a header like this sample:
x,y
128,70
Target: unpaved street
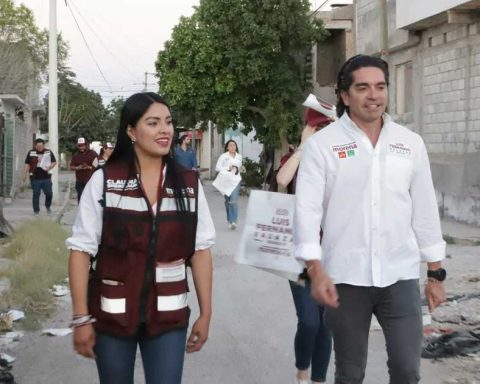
x,y
252,329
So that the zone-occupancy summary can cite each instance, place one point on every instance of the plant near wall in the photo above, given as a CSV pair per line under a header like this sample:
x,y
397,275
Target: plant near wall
x,y
253,176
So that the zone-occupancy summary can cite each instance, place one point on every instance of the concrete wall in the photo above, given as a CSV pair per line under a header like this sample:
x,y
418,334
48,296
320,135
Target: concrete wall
x,y
445,63
18,141
411,11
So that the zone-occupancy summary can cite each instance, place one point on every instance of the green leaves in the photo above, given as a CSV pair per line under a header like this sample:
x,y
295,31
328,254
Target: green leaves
x,y
23,49
238,62
82,114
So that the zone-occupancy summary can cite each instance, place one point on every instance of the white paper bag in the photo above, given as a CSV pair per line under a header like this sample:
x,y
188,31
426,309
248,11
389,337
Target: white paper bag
x,y
267,238
226,182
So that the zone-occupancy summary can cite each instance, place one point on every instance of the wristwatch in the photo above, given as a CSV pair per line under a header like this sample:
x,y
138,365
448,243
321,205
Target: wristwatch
x,y
439,274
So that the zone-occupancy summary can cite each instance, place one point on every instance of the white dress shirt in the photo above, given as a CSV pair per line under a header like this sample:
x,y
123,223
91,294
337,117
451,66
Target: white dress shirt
x,y
87,229
225,161
376,205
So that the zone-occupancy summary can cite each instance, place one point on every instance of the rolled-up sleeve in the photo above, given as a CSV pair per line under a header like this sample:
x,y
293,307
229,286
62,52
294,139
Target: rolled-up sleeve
x,y
310,189
425,216
87,228
205,237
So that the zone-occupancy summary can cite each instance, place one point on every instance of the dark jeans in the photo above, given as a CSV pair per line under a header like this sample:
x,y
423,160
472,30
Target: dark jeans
x,y
398,310
313,341
39,185
79,187
162,358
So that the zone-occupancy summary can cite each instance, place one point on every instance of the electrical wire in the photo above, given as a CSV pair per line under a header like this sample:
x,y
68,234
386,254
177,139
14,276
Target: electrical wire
x,y
101,41
88,47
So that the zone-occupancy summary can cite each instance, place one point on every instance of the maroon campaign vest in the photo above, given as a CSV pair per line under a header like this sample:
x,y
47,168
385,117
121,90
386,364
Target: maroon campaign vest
x,y
140,273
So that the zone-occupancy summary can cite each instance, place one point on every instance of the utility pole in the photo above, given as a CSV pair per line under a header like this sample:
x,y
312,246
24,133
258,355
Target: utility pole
x,y
53,95
145,83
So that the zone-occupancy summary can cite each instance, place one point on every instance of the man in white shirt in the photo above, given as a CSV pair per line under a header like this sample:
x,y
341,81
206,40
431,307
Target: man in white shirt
x,y
366,182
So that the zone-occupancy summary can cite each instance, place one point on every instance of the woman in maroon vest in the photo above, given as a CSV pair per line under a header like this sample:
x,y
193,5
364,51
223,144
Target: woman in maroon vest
x,y
140,222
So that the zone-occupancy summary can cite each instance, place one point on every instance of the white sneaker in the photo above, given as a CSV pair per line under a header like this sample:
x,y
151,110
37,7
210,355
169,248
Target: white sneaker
x,y
300,381
233,226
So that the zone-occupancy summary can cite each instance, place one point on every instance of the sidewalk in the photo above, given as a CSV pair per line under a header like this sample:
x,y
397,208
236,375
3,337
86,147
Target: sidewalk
x,y
20,210
460,233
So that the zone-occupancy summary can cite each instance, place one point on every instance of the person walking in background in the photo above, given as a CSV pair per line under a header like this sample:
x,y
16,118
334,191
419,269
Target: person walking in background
x,y
184,154
83,162
153,221
105,153
313,340
38,164
231,161
366,181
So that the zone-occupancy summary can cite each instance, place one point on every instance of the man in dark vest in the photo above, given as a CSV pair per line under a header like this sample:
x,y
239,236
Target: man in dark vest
x,y
83,162
38,163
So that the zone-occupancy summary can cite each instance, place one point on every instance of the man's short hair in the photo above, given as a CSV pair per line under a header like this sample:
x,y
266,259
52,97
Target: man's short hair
x,y
345,75
39,141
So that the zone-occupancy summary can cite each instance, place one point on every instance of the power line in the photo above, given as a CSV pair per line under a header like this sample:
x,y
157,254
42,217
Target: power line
x,y
88,47
100,24
101,41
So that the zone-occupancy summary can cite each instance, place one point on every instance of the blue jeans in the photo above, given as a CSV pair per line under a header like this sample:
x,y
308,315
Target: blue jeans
x,y
44,185
313,341
231,205
162,358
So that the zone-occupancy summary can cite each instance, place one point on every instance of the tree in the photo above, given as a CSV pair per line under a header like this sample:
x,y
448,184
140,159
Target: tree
x,y
112,120
240,62
23,49
80,113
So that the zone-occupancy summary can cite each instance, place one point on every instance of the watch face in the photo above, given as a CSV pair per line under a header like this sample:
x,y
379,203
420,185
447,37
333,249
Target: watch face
x,y
439,274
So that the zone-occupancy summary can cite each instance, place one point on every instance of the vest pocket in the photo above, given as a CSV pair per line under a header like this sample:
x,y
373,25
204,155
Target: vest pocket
x,y
113,302
171,302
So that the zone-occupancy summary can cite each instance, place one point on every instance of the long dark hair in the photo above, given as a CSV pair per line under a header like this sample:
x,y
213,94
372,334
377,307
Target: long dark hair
x,y
231,141
345,75
132,111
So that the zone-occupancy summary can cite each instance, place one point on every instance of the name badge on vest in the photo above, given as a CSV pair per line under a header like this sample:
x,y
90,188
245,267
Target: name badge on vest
x,y
170,272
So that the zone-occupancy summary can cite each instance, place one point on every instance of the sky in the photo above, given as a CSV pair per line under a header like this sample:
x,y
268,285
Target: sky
x,y
123,38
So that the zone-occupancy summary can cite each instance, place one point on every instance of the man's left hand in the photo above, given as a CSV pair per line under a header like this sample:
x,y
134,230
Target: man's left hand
x,y
435,294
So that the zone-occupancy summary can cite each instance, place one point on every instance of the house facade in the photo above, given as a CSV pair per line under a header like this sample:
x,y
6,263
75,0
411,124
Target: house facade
x,y
433,51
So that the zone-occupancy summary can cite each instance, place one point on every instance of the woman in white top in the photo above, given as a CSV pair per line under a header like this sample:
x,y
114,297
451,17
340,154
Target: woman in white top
x,y
144,144
231,161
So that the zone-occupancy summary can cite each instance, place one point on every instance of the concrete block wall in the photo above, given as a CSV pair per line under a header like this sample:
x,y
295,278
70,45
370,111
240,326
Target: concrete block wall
x,y
451,89
370,28
446,93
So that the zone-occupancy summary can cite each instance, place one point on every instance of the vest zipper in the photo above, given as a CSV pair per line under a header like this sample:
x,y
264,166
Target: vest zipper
x,y
149,270
147,281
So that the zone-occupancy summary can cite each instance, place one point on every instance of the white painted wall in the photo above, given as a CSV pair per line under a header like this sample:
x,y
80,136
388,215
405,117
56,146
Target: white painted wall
x,y
412,11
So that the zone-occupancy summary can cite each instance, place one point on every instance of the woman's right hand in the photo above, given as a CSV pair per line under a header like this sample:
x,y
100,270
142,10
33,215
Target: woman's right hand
x,y
84,340
307,132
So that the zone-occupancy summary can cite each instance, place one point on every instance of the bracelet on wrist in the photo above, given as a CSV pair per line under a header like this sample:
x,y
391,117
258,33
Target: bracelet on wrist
x,y
81,320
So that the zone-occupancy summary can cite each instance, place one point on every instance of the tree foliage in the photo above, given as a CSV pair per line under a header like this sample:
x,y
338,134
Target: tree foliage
x,y
81,113
23,49
240,62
